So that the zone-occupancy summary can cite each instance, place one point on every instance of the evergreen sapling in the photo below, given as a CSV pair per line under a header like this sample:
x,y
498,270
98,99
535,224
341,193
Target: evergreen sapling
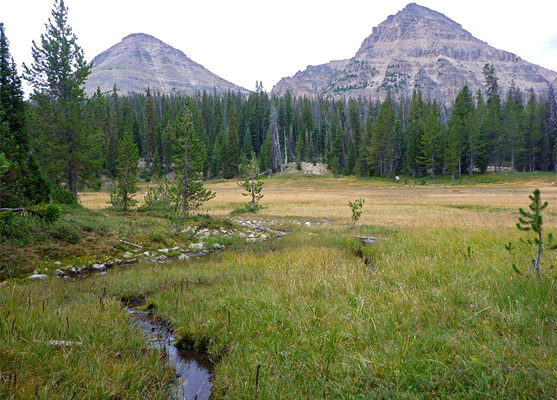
x,y
253,186
532,221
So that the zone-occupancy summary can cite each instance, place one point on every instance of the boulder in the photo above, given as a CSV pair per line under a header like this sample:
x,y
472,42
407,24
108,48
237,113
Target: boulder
x,y
99,267
41,277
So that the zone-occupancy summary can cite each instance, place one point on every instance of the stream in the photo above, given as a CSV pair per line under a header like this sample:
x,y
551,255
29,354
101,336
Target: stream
x,y
194,370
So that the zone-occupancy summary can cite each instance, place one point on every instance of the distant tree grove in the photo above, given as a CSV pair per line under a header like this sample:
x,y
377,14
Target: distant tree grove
x,y
60,139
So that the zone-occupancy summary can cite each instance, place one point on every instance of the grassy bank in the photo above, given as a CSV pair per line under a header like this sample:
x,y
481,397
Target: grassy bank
x,y
432,310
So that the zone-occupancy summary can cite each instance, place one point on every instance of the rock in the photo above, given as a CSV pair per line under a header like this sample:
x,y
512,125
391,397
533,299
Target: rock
x,y
163,258
99,267
74,270
67,277
308,223
146,254
59,272
183,257
41,277
177,248
196,246
165,251
128,255
57,263
217,246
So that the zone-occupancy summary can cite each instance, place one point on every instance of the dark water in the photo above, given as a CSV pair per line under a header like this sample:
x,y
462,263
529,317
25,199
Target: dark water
x,y
193,369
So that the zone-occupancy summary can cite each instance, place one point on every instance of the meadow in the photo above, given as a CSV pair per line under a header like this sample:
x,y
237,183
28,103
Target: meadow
x,y
432,310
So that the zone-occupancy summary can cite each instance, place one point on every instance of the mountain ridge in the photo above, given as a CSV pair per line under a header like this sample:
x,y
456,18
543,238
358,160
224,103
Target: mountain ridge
x,y
416,48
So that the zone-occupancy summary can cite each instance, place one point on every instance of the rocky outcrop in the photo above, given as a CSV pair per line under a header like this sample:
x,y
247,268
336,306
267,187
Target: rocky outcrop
x,y
140,61
417,48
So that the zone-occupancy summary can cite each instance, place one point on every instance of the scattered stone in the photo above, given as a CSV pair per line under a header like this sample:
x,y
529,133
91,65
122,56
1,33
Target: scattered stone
x,y
67,277
117,261
57,263
59,272
183,257
99,267
308,223
128,255
146,254
41,277
177,248
74,270
62,343
163,258
196,246
165,251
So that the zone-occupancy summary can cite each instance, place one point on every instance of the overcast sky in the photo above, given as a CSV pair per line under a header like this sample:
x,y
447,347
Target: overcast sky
x,y
248,40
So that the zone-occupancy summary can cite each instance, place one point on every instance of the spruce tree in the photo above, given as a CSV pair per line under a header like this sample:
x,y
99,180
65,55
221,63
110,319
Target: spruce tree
x,y
58,75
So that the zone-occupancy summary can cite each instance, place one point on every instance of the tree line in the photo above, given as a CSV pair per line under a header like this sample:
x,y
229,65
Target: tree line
x,y
60,139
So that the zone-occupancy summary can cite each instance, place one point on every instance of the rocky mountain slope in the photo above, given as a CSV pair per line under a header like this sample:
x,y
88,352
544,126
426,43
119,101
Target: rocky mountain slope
x,y
417,48
140,61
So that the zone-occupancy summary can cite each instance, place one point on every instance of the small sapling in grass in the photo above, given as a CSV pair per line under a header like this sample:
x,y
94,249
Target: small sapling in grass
x,y
532,221
356,207
253,186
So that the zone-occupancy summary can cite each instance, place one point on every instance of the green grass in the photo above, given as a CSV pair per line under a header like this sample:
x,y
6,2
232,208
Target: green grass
x,y
318,314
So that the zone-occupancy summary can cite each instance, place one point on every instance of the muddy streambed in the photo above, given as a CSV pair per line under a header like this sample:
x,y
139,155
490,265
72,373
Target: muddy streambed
x,y
194,370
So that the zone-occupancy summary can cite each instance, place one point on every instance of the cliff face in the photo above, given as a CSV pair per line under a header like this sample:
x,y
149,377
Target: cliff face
x,y
417,48
140,61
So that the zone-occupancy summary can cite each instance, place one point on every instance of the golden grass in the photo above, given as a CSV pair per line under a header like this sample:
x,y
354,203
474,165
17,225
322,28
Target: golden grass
x,y
386,204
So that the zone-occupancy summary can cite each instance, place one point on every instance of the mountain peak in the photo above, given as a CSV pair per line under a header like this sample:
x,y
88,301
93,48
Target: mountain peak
x,y
416,48
415,22
140,61
141,37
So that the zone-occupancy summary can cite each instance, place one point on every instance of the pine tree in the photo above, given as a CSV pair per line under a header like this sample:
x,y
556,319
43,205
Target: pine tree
x,y
189,191
128,157
149,135
252,185
533,132
23,182
58,75
414,131
429,148
493,116
233,155
381,151
532,221
458,139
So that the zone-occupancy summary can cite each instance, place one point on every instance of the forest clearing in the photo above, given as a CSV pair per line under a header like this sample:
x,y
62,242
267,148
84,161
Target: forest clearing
x,y
433,308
